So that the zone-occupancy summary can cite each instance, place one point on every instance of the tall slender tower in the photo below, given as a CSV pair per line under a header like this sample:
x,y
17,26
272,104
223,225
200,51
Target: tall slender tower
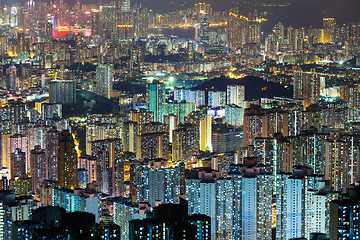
x,y
155,98
67,167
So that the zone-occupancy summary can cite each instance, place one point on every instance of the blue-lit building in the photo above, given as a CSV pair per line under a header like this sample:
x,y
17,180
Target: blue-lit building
x,y
78,200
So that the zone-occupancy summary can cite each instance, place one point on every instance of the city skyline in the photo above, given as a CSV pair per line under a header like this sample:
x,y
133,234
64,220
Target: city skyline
x,y
119,121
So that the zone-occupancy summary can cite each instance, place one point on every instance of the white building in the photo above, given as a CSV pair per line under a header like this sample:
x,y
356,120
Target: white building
x,y
104,79
235,94
234,115
216,98
296,209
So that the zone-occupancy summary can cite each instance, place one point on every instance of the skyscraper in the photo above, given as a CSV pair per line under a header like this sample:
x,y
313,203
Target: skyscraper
x,y
107,21
307,86
204,27
155,99
67,163
329,30
107,152
17,163
62,91
38,168
52,153
186,142
104,79
292,197
157,183
235,94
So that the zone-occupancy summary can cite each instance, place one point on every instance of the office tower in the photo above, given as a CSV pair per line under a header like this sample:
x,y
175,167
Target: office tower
x,y
216,98
234,115
14,17
344,216
49,33
237,28
67,161
254,33
141,19
79,200
126,27
107,152
291,199
171,221
14,83
104,79
307,86
227,139
95,22
38,168
107,21
186,142
204,27
235,94
157,183
62,91
52,153
17,163
329,30
155,99
21,40
125,6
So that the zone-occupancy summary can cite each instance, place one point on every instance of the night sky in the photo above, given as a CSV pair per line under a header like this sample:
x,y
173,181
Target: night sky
x,y
300,12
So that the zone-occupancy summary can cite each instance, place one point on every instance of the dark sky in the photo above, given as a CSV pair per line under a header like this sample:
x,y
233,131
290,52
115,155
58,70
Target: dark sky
x,y
300,12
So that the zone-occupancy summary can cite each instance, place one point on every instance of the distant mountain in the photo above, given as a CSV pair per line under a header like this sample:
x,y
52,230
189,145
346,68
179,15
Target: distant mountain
x,y
255,88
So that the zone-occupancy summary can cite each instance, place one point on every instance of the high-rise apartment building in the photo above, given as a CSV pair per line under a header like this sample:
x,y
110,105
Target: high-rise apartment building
x,y
329,30
67,161
155,99
17,163
104,79
38,168
62,91
157,183
294,204
186,142
307,86
107,152
235,94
